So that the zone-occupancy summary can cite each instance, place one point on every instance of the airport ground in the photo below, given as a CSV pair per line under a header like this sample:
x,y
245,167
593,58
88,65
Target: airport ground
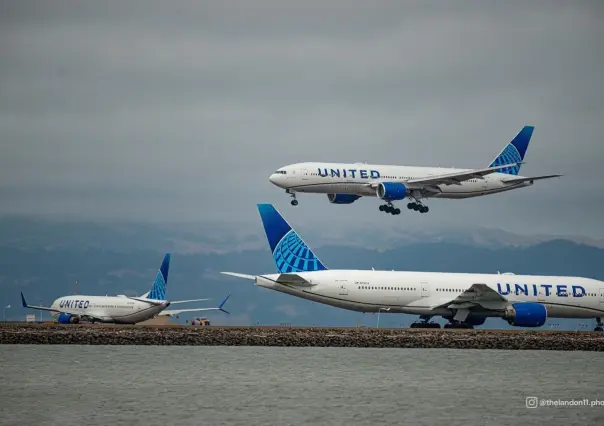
x,y
23,333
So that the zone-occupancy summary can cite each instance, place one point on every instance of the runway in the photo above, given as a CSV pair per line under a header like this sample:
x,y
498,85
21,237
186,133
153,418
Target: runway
x,y
299,337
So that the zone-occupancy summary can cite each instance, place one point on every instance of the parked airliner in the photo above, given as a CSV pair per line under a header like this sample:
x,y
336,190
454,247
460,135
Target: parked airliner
x,y
346,183
120,309
465,300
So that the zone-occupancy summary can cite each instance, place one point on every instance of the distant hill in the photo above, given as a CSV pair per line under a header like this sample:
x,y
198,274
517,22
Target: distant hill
x,y
44,261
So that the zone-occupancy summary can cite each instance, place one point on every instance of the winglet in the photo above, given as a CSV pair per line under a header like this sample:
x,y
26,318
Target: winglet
x,y
23,302
222,304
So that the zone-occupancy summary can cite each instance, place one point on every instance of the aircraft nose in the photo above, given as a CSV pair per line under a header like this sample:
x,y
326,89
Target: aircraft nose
x,y
275,179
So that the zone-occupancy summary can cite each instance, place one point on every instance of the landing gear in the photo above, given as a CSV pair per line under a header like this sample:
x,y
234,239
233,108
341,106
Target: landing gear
x,y
294,202
389,208
457,324
424,323
418,207
599,325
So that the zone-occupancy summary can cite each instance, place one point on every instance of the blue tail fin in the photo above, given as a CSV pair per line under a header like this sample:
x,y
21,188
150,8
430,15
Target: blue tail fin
x,y
514,152
290,253
158,290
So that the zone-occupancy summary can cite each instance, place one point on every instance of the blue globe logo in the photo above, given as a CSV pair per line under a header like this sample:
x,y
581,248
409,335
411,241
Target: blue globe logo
x,y
292,255
509,155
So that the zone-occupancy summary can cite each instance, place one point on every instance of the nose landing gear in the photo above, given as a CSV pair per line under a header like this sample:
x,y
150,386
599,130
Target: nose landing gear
x,y
294,202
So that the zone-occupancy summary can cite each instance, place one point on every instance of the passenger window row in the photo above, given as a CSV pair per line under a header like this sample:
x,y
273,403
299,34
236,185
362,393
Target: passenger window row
x,y
365,287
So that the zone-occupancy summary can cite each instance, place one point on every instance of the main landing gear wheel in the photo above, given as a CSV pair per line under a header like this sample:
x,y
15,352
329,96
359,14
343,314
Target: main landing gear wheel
x,y
418,207
294,202
425,325
389,208
459,325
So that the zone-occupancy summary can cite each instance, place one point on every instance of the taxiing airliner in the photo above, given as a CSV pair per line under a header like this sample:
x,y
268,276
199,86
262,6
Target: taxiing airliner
x,y
465,300
120,309
346,183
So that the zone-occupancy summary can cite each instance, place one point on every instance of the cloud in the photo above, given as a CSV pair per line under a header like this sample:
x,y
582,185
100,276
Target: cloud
x,y
153,111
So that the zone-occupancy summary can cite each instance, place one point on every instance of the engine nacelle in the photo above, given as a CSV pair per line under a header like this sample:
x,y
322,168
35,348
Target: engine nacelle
x,y
342,198
391,191
527,314
68,319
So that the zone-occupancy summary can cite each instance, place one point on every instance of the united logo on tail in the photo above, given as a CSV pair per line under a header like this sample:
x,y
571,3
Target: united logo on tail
x,y
290,252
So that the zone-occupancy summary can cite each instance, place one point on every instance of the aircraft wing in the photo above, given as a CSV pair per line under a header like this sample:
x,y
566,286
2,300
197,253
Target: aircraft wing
x,y
40,308
528,179
457,177
476,295
171,312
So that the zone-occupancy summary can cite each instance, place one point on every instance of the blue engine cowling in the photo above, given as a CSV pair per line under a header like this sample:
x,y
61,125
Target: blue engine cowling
x,y
527,314
342,198
392,191
68,319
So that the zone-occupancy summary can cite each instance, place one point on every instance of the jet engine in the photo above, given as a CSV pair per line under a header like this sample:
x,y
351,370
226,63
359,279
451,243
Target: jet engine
x,y
390,191
68,319
527,314
342,198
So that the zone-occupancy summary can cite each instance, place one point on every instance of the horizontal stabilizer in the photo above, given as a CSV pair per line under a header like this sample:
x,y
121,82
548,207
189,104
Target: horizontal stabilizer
x,y
528,179
293,279
175,302
235,274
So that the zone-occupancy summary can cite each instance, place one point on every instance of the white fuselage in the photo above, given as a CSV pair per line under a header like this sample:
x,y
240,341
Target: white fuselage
x,y
342,178
112,309
392,291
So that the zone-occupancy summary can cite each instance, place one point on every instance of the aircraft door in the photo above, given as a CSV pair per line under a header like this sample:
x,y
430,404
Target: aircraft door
x,y
602,298
425,288
342,287
304,174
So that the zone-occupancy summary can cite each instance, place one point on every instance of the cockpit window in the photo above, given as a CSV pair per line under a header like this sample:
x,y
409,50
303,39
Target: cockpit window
x,y
281,172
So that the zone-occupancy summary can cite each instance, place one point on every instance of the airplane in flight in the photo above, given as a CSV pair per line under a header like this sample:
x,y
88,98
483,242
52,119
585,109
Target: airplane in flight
x,y
346,183
120,309
465,300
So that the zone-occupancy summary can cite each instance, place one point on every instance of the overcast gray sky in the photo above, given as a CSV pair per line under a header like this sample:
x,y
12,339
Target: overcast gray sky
x,y
179,111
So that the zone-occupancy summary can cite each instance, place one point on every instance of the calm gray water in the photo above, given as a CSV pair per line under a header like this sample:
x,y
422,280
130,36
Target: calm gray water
x,y
146,385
